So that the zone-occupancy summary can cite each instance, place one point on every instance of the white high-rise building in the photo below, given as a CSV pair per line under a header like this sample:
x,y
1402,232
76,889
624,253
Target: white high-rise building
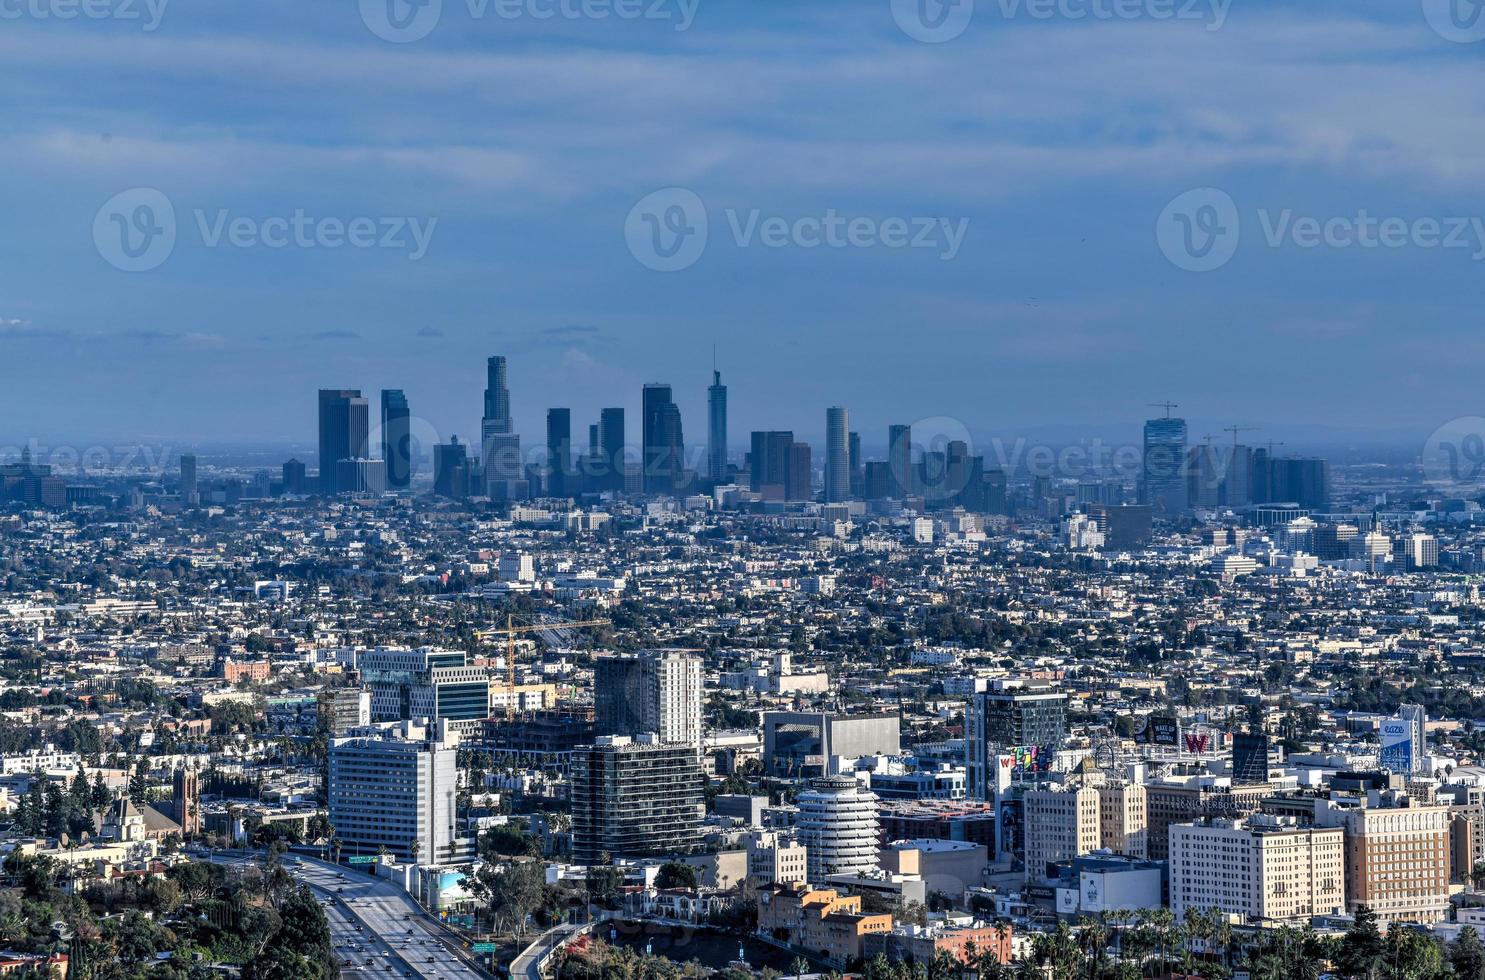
x,y
837,455
838,826
1264,868
395,788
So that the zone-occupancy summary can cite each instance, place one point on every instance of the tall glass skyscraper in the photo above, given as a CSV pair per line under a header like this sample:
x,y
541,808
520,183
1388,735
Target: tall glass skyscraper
x,y
716,433
900,459
500,447
1163,482
837,455
664,445
611,447
344,430
559,452
396,439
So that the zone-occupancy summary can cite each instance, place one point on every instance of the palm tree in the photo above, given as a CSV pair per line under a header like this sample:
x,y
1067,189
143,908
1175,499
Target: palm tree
x,y
798,967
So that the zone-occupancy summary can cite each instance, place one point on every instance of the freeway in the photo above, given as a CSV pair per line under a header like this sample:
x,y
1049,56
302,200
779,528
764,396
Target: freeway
x,y
377,930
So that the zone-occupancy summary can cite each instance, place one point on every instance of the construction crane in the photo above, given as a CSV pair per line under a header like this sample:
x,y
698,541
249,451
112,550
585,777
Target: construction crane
x,y
510,631
1165,405
1235,429
1271,445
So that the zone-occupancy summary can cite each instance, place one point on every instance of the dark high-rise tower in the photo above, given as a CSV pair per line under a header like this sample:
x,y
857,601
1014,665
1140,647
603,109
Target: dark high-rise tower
x,y
500,447
900,459
611,449
559,452
716,447
800,484
857,480
768,463
663,445
344,429
837,455
497,395
188,490
396,439
1163,482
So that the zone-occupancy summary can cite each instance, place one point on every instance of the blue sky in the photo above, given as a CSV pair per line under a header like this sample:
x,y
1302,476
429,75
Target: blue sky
x,y
523,144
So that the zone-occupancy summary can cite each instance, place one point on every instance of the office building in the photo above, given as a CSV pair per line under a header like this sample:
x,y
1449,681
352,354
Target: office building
x,y
900,459
858,475
1419,550
500,446
1304,482
1011,714
395,789
1396,855
1125,526
768,463
295,478
837,824
1061,824
426,683
559,472
611,446
361,476
451,469
805,743
837,455
1163,478
344,431
635,798
799,483
716,430
397,450
189,496
1263,869
663,449
656,692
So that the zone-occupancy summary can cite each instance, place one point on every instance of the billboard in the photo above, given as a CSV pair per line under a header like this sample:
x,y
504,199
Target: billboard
x,y
1020,763
1159,730
1397,745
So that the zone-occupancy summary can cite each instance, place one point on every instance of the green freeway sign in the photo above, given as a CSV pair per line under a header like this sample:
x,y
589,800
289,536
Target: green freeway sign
x,y
361,859
483,947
